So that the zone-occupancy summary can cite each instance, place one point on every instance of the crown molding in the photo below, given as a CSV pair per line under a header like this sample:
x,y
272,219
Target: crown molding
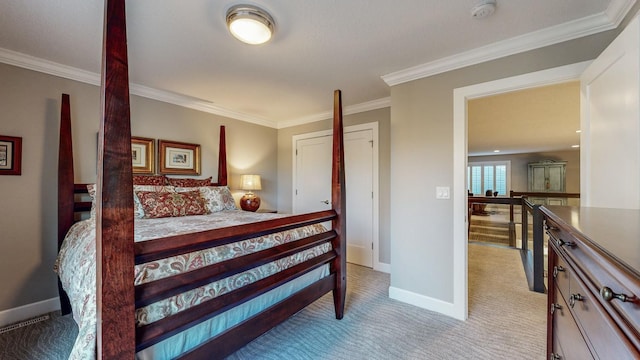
x,y
348,110
56,69
618,10
196,104
29,62
607,20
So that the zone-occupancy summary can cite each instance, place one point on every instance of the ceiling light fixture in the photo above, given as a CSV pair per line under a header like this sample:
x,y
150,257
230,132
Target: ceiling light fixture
x,y
483,9
250,24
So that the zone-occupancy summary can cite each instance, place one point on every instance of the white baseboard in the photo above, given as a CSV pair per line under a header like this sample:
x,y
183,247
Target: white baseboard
x,y
425,302
383,267
11,316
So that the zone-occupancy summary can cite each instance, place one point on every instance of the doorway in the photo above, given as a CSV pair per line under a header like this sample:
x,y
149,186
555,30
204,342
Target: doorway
x,y
460,212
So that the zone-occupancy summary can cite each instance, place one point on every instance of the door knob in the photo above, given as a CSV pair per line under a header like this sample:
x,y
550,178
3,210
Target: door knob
x,y
325,202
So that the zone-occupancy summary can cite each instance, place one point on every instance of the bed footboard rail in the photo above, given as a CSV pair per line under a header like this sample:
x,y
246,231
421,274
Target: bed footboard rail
x,y
157,290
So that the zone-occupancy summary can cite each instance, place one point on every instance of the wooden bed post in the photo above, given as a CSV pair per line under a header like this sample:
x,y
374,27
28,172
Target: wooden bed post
x,y
65,187
222,158
114,197
338,202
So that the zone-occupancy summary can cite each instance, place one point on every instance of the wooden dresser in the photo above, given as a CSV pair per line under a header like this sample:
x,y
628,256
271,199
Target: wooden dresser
x,y
594,283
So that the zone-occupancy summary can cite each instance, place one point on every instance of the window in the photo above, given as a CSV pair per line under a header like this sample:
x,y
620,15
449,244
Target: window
x,y
489,175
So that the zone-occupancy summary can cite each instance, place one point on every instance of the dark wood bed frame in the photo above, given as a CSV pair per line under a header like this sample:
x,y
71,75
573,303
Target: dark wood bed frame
x,y
116,253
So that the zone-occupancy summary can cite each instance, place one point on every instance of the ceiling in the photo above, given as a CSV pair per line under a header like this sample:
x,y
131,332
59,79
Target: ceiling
x,y
181,52
546,116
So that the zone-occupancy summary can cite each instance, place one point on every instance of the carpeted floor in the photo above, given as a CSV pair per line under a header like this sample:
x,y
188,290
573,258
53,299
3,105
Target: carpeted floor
x,y
506,321
51,339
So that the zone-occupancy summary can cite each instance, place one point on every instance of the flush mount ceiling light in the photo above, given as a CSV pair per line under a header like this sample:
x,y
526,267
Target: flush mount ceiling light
x,y
483,9
250,24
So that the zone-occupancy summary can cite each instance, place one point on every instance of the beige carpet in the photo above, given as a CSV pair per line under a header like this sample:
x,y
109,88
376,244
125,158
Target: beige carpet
x,y
506,320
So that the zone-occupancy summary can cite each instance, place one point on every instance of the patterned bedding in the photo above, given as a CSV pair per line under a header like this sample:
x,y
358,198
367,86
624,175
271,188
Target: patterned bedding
x,y
76,266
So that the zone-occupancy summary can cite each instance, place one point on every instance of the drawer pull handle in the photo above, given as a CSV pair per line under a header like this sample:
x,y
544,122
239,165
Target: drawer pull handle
x,y
554,307
608,294
556,270
561,242
573,298
552,228
555,356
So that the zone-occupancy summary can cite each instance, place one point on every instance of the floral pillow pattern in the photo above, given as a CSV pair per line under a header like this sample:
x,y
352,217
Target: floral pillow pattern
x,y
189,182
157,180
216,198
91,189
168,204
227,199
138,210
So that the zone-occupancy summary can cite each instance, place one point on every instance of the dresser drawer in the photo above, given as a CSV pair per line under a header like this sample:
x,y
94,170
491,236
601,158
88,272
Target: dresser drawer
x,y
606,338
560,273
566,334
558,234
598,272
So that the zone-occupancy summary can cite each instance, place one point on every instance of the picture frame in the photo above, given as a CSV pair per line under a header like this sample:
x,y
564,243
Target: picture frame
x,y
10,155
142,155
178,158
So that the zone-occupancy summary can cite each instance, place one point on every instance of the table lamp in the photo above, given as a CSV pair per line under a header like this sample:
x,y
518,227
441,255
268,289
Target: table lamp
x,y
249,183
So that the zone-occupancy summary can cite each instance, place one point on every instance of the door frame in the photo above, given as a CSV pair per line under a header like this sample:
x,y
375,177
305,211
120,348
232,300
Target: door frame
x,y
460,97
373,126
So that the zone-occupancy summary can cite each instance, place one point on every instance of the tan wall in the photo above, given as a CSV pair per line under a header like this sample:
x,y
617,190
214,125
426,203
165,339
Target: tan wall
x,y
285,167
422,147
30,103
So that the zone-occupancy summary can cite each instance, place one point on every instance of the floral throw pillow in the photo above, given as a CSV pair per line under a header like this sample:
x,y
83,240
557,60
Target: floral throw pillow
x,y
157,180
227,199
167,204
216,198
189,182
138,210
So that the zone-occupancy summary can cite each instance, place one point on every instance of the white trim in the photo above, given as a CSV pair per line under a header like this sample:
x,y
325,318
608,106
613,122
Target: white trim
x,y
607,20
12,316
460,97
373,126
348,110
382,267
29,62
425,302
56,69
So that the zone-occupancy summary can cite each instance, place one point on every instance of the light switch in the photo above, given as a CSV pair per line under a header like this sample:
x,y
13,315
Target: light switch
x,y
442,192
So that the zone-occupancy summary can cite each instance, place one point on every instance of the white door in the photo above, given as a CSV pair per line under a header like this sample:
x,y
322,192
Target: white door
x,y
610,137
313,175
358,160
313,186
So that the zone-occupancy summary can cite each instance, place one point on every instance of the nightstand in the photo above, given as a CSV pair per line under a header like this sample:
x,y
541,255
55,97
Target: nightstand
x,y
267,211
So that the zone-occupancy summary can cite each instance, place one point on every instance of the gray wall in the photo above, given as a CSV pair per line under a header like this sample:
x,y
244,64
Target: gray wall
x,y
285,166
30,103
422,147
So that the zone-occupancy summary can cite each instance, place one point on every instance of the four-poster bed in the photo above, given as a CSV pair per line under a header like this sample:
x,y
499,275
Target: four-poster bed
x,y
309,262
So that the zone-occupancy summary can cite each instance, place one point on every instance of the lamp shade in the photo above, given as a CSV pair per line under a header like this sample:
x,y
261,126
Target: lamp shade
x,y
250,182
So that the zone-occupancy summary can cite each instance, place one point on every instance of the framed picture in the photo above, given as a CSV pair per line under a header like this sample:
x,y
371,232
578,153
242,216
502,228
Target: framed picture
x,y
179,158
142,154
10,155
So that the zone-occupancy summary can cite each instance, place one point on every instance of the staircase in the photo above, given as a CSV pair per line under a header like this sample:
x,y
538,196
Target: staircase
x,y
489,231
